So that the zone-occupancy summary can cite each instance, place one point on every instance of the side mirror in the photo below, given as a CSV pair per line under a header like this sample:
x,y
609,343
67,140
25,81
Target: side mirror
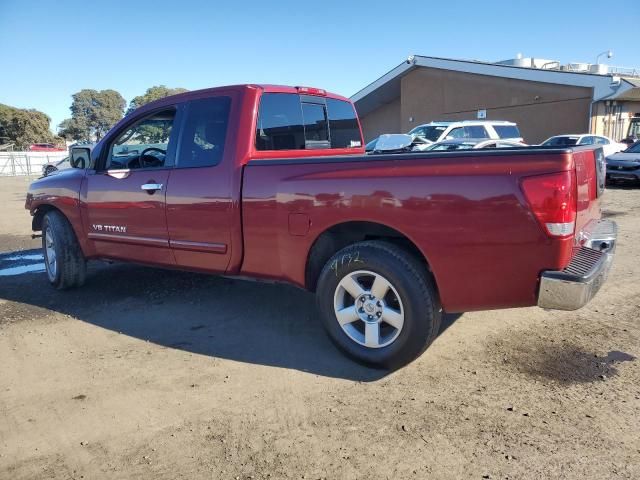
x,y
390,142
80,157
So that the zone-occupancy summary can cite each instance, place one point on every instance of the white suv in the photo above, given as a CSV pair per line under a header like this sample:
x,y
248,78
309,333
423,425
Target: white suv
x,y
490,129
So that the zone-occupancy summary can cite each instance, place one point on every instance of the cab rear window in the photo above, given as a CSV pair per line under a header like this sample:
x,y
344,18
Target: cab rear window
x,y
293,122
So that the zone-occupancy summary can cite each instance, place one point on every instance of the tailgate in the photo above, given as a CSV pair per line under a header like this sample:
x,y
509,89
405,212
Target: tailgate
x,y
590,179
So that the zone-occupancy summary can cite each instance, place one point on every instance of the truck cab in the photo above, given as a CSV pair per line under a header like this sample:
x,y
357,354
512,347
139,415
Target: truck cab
x,y
163,186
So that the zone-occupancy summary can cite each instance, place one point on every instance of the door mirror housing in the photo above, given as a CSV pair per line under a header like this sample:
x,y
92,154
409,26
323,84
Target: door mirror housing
x,y
80,157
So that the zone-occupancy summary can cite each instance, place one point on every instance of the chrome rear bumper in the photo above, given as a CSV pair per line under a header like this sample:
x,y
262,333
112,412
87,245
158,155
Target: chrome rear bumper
x,y
573,287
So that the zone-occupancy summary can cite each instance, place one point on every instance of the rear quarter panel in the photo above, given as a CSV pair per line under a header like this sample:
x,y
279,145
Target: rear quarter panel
x,y
466,214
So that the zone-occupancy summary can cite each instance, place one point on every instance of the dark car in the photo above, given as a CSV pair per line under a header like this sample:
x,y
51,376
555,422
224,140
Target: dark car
x,y
625,165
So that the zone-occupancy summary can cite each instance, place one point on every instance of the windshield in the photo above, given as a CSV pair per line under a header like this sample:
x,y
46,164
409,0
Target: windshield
x,y
430,132
560,141
635,148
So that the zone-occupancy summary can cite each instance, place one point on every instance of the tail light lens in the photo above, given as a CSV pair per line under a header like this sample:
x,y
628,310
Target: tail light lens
x,y
312,91
553,200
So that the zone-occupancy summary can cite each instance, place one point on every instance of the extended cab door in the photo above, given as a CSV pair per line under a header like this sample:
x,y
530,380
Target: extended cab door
x,y
203,212
125,197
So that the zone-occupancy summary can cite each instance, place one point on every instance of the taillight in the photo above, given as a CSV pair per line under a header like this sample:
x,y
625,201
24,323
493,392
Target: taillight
x,y
553,201
312,91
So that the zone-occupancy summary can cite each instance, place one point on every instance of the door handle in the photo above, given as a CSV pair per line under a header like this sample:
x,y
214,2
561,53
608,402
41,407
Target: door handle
x,y
151,187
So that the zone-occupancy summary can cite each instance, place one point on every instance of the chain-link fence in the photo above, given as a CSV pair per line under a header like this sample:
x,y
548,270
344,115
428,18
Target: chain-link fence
x,y
27,163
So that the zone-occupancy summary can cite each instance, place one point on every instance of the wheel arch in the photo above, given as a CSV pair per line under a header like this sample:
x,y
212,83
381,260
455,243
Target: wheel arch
x,y
343,234
40,212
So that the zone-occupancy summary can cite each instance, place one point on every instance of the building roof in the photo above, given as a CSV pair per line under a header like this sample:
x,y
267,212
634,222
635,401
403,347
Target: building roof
x,y
387,88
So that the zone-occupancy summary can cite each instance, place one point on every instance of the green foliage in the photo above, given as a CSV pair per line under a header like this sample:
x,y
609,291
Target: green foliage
x,y
153,93
24,127
93,113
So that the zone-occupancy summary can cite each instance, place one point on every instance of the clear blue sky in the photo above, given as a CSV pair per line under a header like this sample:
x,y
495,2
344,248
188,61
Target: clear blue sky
x,y
51,49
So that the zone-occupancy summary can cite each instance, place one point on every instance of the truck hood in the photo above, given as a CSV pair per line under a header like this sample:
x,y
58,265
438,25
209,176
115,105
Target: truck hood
x,y
623,157
62,186
611,162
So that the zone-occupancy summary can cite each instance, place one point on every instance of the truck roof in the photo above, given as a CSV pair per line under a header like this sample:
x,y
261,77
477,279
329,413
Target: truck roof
x,y
467,122
267,88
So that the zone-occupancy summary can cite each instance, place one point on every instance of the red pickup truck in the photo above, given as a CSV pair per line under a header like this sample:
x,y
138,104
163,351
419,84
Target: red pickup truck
x,y
273,182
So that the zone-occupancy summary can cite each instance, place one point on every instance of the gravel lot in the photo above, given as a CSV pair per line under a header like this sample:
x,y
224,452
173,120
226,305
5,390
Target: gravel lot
x,y
157,374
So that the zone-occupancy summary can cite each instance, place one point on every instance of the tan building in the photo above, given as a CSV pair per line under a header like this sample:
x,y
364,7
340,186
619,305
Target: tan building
x,y
543,97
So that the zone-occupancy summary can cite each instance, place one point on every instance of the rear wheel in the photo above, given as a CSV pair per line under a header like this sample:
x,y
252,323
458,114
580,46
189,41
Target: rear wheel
x,y
64,262
378,304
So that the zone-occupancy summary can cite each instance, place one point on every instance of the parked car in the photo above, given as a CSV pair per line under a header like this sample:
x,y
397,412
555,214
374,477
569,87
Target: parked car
x,y
272,182
468,144
633,131
50,167
404,142
494,129
45,147
625,165
608,146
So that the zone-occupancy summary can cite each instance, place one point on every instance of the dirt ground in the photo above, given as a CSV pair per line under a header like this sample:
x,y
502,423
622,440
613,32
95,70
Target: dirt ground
x,y
152,374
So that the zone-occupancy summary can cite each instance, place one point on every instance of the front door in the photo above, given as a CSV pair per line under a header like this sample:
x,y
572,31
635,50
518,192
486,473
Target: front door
x,y
125,197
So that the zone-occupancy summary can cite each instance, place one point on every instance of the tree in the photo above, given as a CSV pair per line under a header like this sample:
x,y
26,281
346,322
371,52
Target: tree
x,y
93,113
24,127
67,129
153,93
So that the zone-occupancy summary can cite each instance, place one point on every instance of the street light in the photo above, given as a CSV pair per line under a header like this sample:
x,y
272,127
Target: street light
x,y
608,53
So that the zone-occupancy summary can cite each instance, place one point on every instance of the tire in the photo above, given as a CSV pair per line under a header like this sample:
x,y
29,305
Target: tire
x,y
386,332
65,264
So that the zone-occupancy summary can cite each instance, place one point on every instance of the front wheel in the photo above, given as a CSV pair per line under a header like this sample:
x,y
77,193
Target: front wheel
x,y
64,262
378,304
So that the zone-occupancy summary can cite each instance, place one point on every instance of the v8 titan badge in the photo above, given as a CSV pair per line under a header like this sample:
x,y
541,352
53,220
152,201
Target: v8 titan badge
x,y
109,228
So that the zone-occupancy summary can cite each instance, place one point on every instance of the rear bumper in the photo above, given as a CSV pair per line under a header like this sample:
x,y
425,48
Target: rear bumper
x,y
573,287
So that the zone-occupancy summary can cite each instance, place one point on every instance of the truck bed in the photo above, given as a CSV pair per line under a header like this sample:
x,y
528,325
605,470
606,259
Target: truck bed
x,y
465,212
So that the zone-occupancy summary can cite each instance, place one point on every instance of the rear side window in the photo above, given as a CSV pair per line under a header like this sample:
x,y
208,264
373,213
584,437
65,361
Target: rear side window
x,y
280,125
456,133
468,131
475,131
345,130
507,131
204,132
